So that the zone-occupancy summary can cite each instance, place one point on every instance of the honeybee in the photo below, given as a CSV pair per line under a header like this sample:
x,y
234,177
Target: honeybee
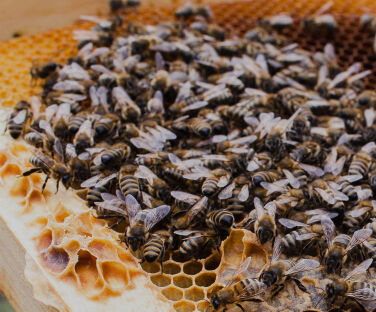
x,y
42,70
61,121
196,242
360,164
339,246
245,289
367,98
196,212
299,176
358,216
220,220
265,228
141,221
308,152
76,121
339,289
16,123
199,127
114,156
84,138
265,176
105,126
279,21
50,168
293,198
129,110
279,271
236,204
128,183
34,138
218,178
155,248
325,23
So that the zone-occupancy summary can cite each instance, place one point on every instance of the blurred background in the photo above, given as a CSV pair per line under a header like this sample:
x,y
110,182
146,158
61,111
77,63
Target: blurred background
x,y
4,305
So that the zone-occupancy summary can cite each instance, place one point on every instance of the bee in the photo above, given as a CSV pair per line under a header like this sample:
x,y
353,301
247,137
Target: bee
x,y
325,23
195,242
358,216
156,187
342,288
105,125
97,185
299,174
196,213
61,121
75,122
279,21
42,70
199,127
218,178
367,98
34,138
286,202
236,204
245,289
141,221
339,246
347,188
16,123
280,271
265,176
84,138
114,156
128,183
360,164
128,109
50,168
155,248
265,227
308,152
220,220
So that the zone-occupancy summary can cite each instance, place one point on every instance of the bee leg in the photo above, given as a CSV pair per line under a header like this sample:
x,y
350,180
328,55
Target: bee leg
x,y
57,185
300,285
45,183
29,172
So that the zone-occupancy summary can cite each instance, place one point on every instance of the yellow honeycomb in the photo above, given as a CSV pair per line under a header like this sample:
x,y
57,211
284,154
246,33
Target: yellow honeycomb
x,y
78,249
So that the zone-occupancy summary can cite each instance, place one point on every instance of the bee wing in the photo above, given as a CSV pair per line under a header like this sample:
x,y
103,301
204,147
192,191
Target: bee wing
x,y
259,207
328,228
249,139
184,92
155,215
49,112
185,232
357,212
133,207
358,237
175,160
244,193
97,160
271,208
290,224
329,48
252,166
277,249
243,267
196,175
86,128
35,106
108,205
108,196
312,170
196,208
59,151
359,76
317,218
20,117
63,111
226,192
145,173
146,199
344,75
168,135
70,151
249,290
364,194
369,116
223,181
360,269
47,128
219,138
273,187
322,75
325,196
330,160
369,147
306,236
352,178
337,169
215,157
105,180
185,197
194,106
91,181
366,294
303,265
292,180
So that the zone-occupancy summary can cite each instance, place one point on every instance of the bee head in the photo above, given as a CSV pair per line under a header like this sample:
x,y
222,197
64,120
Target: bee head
x,y
268,278
333,265
329,289
215,302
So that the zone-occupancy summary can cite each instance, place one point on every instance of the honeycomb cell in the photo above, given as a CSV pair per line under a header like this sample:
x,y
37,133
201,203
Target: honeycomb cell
x,y
233,247
194,294
55,259
115,274
161,280
171,268
44,240
35,197
150,267
205,279
202,306
183,281
212,262
172,293
184,306
86,269
192,267
3,159
21,187
10,170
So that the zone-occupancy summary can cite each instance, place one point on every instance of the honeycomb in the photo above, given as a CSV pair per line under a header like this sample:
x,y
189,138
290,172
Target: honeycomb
x,y
78,250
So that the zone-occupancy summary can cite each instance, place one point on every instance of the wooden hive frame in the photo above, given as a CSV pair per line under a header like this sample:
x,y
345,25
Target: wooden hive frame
x,y
30,221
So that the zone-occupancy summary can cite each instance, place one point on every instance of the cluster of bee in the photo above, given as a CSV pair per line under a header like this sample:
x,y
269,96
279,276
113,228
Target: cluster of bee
x,y
177,135
369,20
